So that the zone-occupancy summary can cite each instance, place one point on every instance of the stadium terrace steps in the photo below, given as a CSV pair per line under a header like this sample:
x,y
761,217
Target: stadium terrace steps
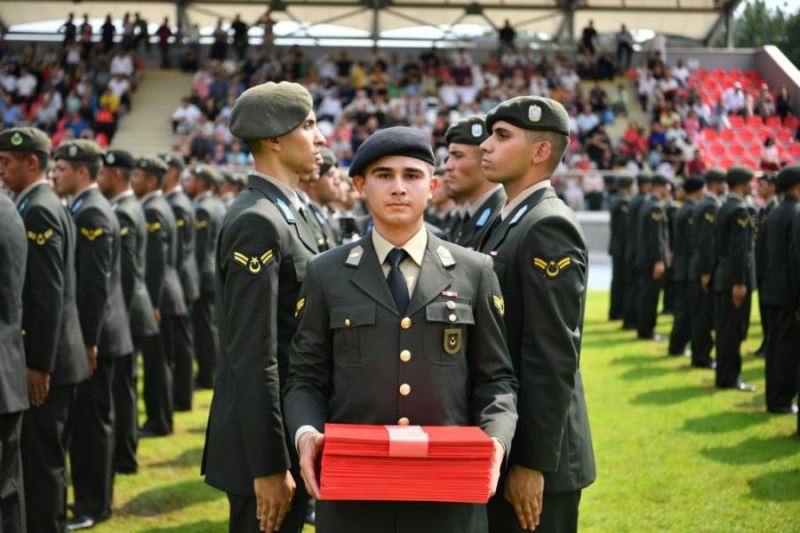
x,y
147,128
635,112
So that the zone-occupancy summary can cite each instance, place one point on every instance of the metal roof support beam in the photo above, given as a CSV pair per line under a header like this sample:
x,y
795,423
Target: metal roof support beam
x,y
726,12
566,30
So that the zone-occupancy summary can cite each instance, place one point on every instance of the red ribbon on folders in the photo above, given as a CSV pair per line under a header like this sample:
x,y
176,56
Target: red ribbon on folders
x,y
407,441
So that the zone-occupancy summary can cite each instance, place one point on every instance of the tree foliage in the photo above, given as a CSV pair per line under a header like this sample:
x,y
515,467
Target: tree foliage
x,y
758,25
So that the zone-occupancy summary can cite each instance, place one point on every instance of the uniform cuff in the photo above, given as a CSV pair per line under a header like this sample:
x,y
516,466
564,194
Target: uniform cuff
x,y
302,431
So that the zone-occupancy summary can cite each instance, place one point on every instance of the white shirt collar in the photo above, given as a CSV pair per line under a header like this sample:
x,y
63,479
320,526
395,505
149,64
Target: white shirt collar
x,y
415,246
287,191
521,197
124,194
26,191
472,207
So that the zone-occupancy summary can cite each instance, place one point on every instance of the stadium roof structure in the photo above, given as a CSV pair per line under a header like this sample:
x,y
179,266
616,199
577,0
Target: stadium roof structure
x,y
431,20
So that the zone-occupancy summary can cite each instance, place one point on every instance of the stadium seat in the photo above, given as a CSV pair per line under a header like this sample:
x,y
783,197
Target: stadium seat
x,y
727,135
774,121
754,150
710,134
736,121
792,122
736,149
745,135
754,121
717,149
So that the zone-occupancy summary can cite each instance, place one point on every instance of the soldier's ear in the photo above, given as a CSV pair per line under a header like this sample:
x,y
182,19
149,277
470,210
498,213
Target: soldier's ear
x,y
358,182
436,182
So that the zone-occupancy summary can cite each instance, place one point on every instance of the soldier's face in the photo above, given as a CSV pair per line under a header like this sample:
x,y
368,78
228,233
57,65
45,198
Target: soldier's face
x,y
462,172
300,148
328,186
12,171
139,182
66,178
192,185
397,189
507,154
105,180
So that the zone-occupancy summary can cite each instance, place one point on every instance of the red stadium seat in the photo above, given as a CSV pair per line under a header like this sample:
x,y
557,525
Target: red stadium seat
x,y
717,149
792,122
727,135
710,134
754,121
794,151
774,121
784,134
754,150
746,135
736,149
736,121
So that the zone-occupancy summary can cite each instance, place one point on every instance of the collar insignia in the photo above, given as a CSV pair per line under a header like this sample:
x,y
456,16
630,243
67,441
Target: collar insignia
x,y
445,257
354,257
484,217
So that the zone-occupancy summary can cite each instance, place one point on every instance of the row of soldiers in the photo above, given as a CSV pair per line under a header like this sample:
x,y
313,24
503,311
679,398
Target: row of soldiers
x,y
105,256
712,253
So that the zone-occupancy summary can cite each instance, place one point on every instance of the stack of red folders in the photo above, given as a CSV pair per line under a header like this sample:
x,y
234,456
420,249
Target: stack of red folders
x,y
406,463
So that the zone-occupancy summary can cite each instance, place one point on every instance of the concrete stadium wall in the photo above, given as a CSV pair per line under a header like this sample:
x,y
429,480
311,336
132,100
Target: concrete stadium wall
x,y
778,71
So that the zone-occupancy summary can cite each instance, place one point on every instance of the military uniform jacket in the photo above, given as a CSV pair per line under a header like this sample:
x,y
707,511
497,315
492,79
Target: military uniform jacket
x,y
187,263
209,212
53,341
353,351
541,260
781,283
632,227
733,237
101,305
653,244
762,257
470,233
703,260
133,256
13,253
326,237
683,243
619,208
161,270
262,251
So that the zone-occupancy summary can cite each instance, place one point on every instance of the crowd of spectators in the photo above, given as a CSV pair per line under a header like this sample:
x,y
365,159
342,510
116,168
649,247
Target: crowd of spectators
x,y
79,90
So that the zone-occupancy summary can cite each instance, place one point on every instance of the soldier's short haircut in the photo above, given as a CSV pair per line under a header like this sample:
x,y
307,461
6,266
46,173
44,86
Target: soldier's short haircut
x,y
558,144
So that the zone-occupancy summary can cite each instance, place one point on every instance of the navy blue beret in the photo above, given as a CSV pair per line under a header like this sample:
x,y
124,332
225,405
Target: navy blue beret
x,y
119,159
693,183
399,140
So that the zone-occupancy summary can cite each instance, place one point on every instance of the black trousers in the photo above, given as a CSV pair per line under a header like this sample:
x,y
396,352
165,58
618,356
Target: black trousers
x,y
182,345
765,325
731,324
126,428
12,490
243,510
616,307
630,311
204,320
45,440
702,304
91,449
783,357
668,284
682,323
647,303
157,389
559,514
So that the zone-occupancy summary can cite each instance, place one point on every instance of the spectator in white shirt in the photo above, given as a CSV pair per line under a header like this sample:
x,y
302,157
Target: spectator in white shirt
x,y
681,73
587,121
122,64
646,89
185,117
570,80
26,86
733,99
120,86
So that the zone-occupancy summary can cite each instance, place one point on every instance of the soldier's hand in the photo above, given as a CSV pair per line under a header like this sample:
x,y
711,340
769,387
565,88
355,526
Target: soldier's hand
x,y
38,386
91,358
273,499
705,282
157,314
658,270
308,450
524,490
738,293
497,463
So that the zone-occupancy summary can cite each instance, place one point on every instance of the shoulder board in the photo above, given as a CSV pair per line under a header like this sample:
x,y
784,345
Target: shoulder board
x,y
485,214
76,206
24,204
287,213
354,257
518,215
445,257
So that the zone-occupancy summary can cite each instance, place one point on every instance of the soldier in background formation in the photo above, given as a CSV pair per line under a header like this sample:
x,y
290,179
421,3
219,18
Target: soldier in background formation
x,y
724,248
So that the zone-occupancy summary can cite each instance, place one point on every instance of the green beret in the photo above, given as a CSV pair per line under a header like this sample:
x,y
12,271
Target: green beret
x,y
738,174
643,178
659,179
24,140
693,184
624,181
152,165
399,140
118,159
328,160
470,130
531,113
80,150
208,174
788,177
270,110
715,174
173,160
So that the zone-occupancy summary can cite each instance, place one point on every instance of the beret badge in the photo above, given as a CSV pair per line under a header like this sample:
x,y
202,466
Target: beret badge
x,y
477,130
534,113
16,139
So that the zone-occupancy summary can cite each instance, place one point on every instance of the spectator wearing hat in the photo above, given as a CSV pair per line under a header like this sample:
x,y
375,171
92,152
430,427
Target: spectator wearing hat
x,y
540,255
479,199
202,185
55,354
104,326
683,245
701,267
264,245
164,288
734,278
617,243
114,183
183,340
780,288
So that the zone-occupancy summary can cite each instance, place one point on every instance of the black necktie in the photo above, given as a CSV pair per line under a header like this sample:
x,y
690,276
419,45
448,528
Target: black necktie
x,y
396,279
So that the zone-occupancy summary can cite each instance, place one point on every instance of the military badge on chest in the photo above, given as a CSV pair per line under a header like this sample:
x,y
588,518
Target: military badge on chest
x,y
452,341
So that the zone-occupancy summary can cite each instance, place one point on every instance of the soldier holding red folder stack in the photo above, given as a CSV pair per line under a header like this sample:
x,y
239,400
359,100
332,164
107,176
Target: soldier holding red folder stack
x,y
399,328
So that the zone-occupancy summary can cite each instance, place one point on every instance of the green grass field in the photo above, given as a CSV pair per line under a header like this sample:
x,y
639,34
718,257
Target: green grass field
x,y
672,452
